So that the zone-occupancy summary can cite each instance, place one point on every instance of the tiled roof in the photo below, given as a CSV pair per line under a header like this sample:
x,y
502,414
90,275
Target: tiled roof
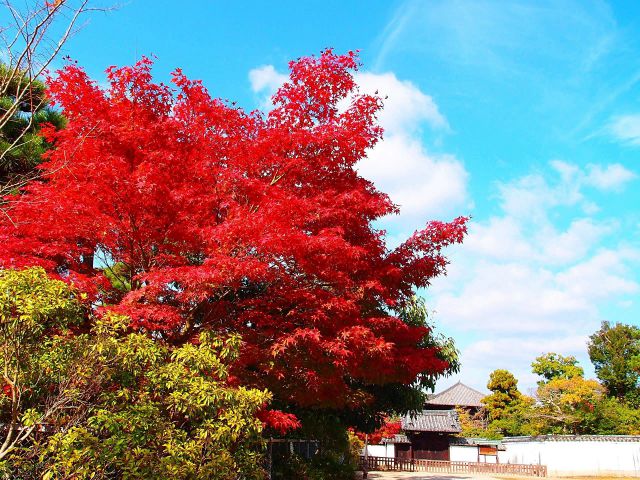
x,y
397,438
458,395
474,441
445,421
574,438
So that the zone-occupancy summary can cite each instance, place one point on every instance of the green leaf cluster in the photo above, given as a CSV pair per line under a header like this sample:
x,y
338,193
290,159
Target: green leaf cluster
x,y
505,407
416,314
113,403
553,365
38,354
162,412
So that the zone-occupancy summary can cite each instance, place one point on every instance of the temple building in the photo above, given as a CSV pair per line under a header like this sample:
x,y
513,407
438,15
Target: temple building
x,y
428,434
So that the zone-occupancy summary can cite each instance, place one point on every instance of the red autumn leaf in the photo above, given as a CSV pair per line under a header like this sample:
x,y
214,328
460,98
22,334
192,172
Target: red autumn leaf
x,y
279,421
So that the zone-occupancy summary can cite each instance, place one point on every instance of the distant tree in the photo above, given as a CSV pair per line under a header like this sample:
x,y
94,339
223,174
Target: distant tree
x,y
615,354
569,403
565,402
504,387
506,406
612,416
553,365
566,405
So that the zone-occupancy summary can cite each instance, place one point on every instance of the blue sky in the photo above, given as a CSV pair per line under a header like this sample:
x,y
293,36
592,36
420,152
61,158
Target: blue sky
x,y
524,115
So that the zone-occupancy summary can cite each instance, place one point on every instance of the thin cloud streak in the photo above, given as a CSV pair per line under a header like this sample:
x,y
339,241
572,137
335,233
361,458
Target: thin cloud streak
x,y
626,129
393,29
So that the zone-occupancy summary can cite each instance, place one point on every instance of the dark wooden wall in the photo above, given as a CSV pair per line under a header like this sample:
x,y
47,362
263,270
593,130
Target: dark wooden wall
x,y
403,451
425,446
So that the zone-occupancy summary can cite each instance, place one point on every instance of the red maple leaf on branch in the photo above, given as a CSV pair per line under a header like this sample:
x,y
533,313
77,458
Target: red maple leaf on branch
x,y
388,429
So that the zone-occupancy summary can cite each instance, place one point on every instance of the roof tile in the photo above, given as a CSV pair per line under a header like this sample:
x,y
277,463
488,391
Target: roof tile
x,y
445,421
397,438
458,395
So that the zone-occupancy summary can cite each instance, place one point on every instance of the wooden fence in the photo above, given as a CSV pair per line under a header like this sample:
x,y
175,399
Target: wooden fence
x,y
442,466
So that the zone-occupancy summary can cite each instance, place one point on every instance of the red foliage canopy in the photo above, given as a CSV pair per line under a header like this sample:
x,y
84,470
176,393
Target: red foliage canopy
x,y
210,217
388,429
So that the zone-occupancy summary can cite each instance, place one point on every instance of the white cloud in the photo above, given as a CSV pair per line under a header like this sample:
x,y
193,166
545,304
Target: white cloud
x,y
406,106
612,177
532,195
535,277
539,241
572,244
422,184
626,128
488,240
603,275
507,298
266,80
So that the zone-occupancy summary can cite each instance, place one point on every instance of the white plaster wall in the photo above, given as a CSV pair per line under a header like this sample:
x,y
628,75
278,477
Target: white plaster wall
x,y
576,457
386,450
391,450
377,450
463,453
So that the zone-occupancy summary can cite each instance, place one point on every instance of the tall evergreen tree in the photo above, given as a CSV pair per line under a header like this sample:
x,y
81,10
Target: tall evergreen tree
x,y
506,407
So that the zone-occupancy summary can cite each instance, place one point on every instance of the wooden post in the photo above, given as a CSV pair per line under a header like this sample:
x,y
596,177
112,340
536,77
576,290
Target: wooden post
x,y
366,457
270,460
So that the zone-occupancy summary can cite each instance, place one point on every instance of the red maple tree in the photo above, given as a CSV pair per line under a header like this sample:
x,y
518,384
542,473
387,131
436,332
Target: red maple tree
x,y
202,216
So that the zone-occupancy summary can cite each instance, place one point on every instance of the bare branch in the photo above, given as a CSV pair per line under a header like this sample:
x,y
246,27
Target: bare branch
x,y
34,36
